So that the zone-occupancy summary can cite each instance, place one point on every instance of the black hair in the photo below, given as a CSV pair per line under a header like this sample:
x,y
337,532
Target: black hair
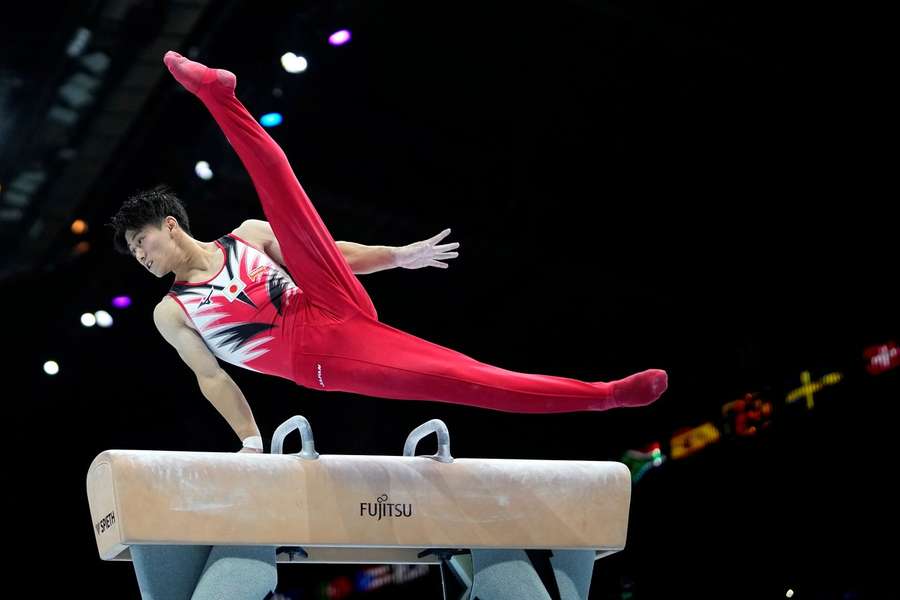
x,y
147,207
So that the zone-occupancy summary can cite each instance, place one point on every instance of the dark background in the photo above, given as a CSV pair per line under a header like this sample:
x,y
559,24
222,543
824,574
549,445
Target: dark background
x,y
695,187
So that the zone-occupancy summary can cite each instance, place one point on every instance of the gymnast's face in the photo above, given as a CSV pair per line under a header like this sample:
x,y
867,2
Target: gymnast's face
x,y
152,246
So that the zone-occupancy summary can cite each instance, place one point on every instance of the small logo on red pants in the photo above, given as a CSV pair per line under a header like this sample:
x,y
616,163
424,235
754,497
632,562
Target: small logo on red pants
x,y
319,374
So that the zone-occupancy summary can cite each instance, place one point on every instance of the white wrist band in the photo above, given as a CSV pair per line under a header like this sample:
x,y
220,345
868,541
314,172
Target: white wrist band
x,y
254,442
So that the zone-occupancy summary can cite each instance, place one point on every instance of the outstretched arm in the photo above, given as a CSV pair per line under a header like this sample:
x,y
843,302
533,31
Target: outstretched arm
x,y
215,384
368,259
427,253
364,259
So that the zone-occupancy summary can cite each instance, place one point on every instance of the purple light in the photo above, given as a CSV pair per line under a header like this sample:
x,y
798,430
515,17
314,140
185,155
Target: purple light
x,y
339,38
121,301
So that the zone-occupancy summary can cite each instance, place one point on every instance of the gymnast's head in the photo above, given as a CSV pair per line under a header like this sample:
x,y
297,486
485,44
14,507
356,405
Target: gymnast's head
x,y
152,225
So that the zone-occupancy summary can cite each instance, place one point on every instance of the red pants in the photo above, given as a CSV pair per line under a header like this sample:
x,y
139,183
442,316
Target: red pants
x,y
341,344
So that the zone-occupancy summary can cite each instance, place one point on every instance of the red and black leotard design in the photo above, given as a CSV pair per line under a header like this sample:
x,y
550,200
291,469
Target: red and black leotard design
x,y
241,313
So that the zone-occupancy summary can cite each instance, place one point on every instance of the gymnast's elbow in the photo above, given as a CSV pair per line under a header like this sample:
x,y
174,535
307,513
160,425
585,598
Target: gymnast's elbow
x,y
212,381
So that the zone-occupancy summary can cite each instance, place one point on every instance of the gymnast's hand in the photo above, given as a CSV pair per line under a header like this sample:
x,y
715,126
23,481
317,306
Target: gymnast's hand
x,y
250,451
426,253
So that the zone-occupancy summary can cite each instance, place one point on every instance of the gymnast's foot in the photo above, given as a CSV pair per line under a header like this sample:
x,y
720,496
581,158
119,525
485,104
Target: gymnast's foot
x,y
194,77
639,389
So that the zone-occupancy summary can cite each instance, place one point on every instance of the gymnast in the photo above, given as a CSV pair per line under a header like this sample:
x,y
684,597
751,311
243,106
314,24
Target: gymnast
x,y
281,297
